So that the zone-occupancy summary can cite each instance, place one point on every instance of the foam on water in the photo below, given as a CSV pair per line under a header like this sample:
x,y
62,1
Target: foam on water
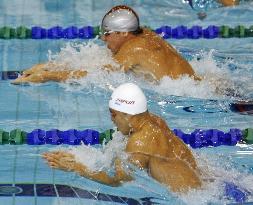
x,y
87,56
215,168
218,82
218,169
97,159
217,79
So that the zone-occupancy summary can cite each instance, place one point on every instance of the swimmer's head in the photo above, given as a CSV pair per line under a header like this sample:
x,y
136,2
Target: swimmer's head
x,y
120,19
128,98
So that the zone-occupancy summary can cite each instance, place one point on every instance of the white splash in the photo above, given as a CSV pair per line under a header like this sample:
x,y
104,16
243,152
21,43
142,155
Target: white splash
x,y
97,159
217,80
87,56
218,169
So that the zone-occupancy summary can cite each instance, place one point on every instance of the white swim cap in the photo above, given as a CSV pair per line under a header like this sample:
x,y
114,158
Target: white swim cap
x,y
121,19
128,98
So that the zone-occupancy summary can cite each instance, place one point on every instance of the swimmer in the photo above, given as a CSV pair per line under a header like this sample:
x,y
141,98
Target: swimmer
x,y
242,107
203,6
135,49
209,3
151,146
229,2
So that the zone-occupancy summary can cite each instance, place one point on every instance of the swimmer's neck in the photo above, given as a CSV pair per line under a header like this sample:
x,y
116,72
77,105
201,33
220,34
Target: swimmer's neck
x,y
137,121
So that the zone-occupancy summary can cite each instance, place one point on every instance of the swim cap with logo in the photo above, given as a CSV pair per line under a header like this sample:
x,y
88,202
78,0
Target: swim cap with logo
x,y
128,98
121,19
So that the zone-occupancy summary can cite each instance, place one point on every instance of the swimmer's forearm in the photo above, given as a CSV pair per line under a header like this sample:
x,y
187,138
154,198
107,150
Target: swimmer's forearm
x,y
109,67
102,176
64,75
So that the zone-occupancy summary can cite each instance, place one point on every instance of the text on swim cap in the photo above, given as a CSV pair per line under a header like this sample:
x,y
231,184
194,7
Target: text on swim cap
x,y
125,101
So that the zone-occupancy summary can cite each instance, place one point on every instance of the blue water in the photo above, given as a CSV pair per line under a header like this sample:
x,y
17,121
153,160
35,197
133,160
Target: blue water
x,y
182,103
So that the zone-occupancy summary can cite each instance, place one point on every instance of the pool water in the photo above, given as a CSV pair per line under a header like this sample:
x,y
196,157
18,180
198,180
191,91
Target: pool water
x,y
224,64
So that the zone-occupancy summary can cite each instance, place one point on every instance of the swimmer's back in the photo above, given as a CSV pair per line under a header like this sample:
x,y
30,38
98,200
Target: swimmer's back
x,y
150,51
154,138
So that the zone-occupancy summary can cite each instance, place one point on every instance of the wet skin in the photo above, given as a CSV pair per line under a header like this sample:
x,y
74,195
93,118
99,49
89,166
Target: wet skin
x,y
144,54
229,2
151,146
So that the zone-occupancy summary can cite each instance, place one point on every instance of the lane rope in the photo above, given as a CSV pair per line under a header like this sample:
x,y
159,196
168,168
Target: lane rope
x,y
197,139
89,32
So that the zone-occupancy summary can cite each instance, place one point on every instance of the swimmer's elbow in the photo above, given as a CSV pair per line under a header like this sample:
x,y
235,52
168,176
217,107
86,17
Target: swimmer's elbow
x,y
197,78
78,74
109,181
103,178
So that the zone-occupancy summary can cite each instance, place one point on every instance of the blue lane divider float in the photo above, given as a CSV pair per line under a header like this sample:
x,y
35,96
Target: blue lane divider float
x,y
58,32
197,139
212,137
56,137
195,32
179,32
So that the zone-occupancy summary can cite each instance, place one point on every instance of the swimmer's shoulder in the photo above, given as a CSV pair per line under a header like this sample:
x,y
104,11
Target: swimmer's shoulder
x,y
140,40
142,43
148,140
133,44
160,122
140,139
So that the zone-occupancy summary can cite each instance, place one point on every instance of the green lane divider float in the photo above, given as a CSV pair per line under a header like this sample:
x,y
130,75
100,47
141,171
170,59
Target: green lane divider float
x,y
238,31
20,32
105,136
248,136
16,137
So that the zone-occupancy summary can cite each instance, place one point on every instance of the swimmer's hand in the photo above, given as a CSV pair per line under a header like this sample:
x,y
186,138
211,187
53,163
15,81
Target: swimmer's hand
x,y
120,173
60,160
66,161
41,73
36,74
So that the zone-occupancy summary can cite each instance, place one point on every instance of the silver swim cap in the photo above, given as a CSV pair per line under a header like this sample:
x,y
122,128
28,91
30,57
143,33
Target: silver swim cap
x,y
121,19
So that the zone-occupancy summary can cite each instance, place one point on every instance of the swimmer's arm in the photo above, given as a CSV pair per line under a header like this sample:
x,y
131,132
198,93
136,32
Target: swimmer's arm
x,y
64,75
46,75
102,177
65,161
137,60
175,173
35,68
126,57
43,66
44,72
109,67
152,64
140,160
